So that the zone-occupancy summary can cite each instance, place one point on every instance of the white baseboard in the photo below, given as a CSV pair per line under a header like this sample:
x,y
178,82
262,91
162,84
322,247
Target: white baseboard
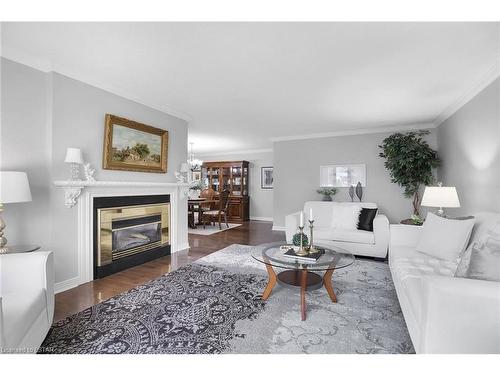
x,y
183,246
261,218
282,229
66,284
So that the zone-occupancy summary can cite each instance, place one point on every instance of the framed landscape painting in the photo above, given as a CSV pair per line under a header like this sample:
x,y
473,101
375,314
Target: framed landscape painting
x,y
133,146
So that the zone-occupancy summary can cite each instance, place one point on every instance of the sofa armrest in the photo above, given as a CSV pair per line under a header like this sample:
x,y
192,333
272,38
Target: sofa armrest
x,y
460,315
404,235
2,328
26,271
291,224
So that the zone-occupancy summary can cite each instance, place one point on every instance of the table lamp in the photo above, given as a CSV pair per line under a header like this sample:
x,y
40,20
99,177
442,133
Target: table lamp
x,y
440,196
74,157
14,188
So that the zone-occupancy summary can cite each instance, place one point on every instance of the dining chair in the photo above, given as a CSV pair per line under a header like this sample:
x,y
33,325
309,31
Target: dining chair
x,y
222,211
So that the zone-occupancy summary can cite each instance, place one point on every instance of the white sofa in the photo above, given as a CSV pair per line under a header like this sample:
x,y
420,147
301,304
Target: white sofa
x,y
443,313
26,300
358,242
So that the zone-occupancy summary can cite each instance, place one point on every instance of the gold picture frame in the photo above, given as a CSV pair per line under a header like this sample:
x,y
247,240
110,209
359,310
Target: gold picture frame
x,y
133,146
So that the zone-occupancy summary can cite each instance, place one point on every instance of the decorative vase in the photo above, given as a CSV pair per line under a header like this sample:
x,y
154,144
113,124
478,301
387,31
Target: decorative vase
x,y
327,198
351,192
359,191
296,239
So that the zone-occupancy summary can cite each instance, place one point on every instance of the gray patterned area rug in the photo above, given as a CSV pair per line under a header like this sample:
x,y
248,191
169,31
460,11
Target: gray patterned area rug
x,y
214,306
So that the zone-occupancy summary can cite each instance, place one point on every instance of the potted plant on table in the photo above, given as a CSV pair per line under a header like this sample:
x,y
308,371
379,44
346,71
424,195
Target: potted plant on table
x,y
327,193
410,161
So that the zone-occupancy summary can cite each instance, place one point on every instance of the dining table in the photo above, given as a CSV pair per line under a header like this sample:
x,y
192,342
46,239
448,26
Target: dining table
x,y
196,205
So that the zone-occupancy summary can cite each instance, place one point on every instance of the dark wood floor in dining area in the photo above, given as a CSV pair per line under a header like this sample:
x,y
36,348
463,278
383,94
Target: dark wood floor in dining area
x,y
91,293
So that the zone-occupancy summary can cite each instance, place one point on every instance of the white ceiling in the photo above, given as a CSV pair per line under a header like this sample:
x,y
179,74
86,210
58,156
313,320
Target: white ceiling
x,y
243,84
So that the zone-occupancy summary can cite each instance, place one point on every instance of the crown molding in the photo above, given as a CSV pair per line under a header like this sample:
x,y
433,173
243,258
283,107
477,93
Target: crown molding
x,y
237,152
479,85
47,67
343,133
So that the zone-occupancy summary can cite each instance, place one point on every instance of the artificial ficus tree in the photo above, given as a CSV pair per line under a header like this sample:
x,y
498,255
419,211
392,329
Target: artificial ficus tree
x,y
410,161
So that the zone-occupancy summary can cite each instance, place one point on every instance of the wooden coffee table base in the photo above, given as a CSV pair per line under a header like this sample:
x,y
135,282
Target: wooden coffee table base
x,y
300,278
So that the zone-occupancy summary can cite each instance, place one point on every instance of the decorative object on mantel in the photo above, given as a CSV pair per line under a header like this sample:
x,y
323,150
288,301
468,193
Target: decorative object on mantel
x,y
133,146
359,191
342,175
412,168
327,193
88,171
440,196
73,189
351,192
14,188
182,175
74,158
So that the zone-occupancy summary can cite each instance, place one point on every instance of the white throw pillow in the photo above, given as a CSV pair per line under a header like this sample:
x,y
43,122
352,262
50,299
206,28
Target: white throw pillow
x,y
444,238
345,216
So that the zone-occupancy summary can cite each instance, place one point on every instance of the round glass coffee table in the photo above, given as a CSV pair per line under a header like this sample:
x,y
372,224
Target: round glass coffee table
x,y
298,273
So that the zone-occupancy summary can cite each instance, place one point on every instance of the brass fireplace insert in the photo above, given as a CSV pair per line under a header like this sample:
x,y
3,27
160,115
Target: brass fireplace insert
x,y
129,230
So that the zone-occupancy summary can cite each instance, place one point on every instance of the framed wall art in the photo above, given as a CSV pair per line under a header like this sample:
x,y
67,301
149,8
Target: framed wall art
x,y
266,178
133,146
342,175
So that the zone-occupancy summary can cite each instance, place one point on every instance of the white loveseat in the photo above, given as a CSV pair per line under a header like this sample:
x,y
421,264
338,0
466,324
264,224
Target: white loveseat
x,y
443,313
26,300
358,242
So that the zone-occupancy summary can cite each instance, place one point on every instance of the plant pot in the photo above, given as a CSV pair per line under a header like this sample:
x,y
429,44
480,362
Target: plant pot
x,y
327,198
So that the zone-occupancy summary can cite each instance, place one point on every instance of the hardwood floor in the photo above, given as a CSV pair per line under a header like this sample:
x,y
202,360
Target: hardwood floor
x,y
89,294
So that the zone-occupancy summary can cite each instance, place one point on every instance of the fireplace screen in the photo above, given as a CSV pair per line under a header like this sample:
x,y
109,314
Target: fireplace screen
x,y
129,230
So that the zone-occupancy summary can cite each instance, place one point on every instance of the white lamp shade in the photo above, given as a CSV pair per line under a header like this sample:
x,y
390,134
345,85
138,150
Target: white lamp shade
x,y
14,187
440,196
73,155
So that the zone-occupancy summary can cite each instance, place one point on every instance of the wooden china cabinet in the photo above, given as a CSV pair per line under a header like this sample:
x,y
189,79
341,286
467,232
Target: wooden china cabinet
x,y
234,176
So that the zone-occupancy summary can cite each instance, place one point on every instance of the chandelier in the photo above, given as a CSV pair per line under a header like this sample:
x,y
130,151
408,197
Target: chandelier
x,y
195,164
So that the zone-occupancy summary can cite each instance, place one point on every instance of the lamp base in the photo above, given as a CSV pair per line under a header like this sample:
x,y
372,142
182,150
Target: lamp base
x,y
440,212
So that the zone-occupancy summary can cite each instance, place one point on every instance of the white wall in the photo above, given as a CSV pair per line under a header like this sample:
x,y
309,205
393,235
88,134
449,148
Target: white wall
x,y
296,173
261,200
25,147
469,147
42,115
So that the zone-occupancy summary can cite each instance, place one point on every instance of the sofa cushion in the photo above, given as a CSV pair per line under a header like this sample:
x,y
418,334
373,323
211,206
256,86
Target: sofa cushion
x,y
366,217
444,238
356,236
345,216
419,266
20,311
485,257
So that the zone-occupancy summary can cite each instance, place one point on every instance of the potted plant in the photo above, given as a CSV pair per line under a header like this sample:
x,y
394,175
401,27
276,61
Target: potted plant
x,y
195,187
410,161
327,193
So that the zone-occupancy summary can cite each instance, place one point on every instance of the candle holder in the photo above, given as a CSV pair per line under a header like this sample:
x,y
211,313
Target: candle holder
x,y
312,249
302,251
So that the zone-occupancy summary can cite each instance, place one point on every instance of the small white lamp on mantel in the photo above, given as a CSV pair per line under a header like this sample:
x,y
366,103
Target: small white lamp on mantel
x,y
75,158
14,188
440,196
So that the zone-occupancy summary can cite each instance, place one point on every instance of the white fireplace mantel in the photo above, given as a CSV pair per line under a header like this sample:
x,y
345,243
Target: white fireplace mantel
x,y
82,193
73,189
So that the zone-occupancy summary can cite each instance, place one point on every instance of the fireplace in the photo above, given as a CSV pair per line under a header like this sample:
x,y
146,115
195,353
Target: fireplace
x,y
129,230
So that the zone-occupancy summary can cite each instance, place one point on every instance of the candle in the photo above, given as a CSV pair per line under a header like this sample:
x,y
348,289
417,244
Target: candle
x,y
310,214
301,219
